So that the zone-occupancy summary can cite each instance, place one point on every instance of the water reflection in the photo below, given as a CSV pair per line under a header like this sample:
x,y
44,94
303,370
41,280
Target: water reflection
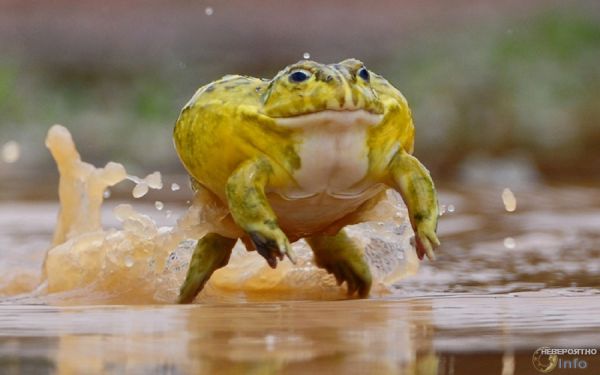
x,y
343,336
482,308
413,336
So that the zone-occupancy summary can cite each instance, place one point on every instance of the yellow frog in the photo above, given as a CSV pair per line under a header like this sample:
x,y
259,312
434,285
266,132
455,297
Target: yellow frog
x,y
301,156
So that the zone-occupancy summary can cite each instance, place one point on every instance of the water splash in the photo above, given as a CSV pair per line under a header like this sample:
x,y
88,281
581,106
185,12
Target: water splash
x,y
446,209
509,243
11,152
141,262
140,190
143,185
509,200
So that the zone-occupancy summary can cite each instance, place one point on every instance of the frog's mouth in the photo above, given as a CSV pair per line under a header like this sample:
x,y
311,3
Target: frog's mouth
x,y
332,118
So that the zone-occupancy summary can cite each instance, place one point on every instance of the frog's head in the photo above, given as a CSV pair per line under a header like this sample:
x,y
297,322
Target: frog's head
x,y
309,87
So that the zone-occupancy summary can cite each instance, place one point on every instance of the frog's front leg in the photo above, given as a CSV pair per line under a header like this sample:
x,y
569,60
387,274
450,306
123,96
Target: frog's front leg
x,y
250,209
340,256
412,180
212,252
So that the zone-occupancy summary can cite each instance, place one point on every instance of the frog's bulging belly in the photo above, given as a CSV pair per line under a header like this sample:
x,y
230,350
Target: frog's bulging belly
x,y
306,216
331,182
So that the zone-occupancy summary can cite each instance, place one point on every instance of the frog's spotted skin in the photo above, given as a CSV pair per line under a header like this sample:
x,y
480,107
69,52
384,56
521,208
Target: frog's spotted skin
x,y
301,156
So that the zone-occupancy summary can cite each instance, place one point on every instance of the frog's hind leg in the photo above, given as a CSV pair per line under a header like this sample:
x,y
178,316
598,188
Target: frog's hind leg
x,y
211,253
343,258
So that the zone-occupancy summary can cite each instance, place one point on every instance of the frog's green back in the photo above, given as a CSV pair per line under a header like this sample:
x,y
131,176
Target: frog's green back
x,y
221,127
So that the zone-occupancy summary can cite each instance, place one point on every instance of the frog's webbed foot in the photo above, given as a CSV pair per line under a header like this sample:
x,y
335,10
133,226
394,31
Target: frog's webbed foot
x,y
211,253
272,245
340,256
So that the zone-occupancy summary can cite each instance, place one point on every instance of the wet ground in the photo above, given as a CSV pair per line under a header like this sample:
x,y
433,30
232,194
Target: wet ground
x,y
505,283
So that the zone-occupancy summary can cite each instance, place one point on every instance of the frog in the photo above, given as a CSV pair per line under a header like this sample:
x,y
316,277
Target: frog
x,y
302,156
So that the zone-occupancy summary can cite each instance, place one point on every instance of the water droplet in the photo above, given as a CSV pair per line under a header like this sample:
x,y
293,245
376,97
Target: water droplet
x,y
106,194
442,210
128,262
209,11
159,205
509,200
509,243
168,213
11,151
451,208
306,55
112,173
123,212
140,190
154,180
270,342
175,187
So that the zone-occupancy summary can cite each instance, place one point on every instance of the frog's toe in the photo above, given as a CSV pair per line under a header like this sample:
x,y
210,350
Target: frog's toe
x,y
272,247
358,279
425,241
351,281
356,276
342,258
336,272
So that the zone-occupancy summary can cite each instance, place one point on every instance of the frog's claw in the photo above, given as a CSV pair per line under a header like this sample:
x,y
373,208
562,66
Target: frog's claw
x,y
340,256
425,242
211,253
272,248
412,180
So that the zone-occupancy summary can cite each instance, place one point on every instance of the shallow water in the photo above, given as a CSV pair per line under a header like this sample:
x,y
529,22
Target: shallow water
x,y
483,307
443,334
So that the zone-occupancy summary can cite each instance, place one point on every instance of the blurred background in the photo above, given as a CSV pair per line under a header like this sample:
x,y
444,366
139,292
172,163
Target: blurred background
x,y
506,102
500,91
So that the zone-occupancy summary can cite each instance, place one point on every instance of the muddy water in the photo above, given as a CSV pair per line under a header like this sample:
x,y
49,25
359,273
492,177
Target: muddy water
x,y
504,284
518,269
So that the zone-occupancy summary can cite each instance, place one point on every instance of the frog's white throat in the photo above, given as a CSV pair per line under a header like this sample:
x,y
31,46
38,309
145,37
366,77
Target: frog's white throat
x,y
333,151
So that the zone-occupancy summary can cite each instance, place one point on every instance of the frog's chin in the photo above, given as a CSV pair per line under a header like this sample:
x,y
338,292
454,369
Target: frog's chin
x,y
333,118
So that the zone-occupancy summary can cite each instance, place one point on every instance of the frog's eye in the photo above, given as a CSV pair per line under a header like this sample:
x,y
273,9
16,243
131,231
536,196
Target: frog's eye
x,y
299,75
364,74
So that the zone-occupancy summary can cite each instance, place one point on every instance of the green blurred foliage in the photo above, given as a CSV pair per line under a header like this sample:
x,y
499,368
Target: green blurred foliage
x,y
527,86
532,88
